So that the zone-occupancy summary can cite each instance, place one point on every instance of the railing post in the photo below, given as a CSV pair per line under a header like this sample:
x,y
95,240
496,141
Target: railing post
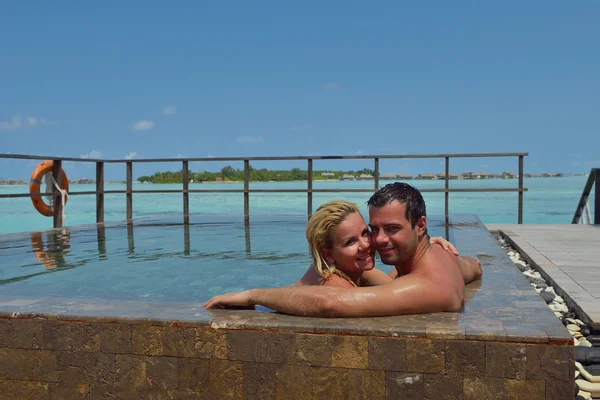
x,y
520,190
447,186
597,197
99,192
376,173
186,204
57,200
246,189
129,193
309,195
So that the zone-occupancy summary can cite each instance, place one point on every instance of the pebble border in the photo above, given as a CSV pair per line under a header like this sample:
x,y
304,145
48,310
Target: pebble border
x,y
576,327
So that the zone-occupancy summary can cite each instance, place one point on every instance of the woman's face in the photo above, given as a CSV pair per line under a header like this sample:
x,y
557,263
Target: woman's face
x,y
351,248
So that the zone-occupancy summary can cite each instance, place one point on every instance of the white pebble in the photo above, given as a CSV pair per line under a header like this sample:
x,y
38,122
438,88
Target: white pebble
x,y
559,299
558,307
585,395
582,341
511,253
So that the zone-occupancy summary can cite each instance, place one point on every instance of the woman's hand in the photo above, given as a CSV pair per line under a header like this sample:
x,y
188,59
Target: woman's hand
x,y
234,299
446,245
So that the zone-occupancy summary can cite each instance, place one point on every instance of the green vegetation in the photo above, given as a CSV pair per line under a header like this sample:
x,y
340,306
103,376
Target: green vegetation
x,y
235,175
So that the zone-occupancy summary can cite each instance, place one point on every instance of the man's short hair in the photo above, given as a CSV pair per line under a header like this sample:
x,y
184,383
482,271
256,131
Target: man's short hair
x,y
404,194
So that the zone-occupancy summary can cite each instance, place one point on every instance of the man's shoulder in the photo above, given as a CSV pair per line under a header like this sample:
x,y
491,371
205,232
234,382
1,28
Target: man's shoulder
x,y
436,256
438,265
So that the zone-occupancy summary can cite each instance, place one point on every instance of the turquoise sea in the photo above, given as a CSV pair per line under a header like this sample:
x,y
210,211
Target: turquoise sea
x,y
547,201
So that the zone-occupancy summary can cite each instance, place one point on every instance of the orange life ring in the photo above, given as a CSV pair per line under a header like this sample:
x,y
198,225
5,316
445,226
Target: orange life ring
x,y
34,186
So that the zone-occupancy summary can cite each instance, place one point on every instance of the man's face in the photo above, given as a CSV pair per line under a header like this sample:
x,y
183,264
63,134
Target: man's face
x,y
391,233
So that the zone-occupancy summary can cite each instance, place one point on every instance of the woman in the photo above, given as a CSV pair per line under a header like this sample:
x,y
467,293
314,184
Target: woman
x,y
341,250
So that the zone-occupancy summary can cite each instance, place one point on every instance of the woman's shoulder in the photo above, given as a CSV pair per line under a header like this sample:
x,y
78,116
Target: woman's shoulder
x,y
336,280
311,277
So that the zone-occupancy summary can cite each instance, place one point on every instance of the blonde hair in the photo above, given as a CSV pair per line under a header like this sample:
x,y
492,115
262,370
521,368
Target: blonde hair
x,y
318,234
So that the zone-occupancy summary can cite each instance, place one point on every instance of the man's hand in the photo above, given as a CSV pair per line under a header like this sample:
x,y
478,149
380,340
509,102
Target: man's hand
x,y
446,245
228,300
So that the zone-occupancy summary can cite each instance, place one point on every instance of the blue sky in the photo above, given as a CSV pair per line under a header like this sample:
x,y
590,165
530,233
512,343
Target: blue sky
x,y
215,79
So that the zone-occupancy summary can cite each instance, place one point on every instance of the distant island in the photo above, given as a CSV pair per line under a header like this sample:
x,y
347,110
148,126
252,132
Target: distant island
x,y
229,174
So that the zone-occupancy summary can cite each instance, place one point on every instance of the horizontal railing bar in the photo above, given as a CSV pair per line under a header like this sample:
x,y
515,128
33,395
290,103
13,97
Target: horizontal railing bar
x,y
58,194
475,190
282,158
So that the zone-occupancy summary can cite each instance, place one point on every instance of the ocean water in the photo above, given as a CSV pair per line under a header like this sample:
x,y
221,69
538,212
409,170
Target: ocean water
x,y
547,201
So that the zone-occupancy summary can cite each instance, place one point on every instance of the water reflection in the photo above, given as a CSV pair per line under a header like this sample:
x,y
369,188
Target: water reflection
x,y
247,235
186,239
130,241
52,253
101,236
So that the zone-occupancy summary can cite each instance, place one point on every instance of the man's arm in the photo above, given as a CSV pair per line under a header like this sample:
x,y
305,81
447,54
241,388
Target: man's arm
x,y
470,268
406,295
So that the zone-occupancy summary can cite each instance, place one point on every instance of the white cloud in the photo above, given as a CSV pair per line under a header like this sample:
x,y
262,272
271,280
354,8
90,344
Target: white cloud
x,y
332,85
131,155
180,156
16,122
356,153
169,110
92,154
302,128
143,125
249,139
31,122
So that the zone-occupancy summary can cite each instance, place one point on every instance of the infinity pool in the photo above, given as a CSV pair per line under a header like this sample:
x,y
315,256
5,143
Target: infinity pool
x,y
158,260
115,312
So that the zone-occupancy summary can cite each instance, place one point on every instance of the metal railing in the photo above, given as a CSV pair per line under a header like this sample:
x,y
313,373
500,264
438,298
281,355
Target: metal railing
x,y
581,216
100,192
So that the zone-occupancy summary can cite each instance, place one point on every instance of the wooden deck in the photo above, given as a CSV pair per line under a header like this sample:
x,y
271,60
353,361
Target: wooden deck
x,y
567,256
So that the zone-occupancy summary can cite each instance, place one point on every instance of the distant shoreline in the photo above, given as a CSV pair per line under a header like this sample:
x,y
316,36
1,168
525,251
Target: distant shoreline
x,y
24,183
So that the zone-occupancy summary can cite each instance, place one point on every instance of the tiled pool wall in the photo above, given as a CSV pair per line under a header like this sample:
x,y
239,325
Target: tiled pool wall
x,y
76,359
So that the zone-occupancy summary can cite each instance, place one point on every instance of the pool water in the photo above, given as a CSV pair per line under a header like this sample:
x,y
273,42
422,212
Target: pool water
x,y
160,260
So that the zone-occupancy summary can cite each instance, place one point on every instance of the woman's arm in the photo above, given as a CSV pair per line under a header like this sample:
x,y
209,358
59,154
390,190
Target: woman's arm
x,y
446,245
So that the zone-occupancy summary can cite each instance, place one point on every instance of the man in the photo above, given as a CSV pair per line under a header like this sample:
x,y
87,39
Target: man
x,y
427,278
